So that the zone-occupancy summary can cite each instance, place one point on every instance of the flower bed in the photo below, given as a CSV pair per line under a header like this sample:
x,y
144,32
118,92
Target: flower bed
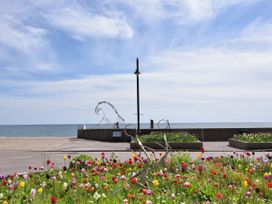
x,y
177,179
252,141
176,141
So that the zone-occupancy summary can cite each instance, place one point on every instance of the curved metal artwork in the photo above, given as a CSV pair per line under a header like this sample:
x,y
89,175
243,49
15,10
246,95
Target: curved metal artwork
x,y
164,124
130,126
108,114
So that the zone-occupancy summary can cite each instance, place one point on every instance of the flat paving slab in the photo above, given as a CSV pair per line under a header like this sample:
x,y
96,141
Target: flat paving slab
x,y
17,153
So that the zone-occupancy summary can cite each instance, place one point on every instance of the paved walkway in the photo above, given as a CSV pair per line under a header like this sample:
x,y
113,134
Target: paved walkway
x,y
17,153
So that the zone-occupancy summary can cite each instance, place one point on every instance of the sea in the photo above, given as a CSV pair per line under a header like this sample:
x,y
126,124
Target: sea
x,y
70,130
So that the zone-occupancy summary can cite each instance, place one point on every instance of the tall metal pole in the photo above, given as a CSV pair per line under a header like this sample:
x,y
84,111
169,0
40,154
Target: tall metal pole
x,y
137,72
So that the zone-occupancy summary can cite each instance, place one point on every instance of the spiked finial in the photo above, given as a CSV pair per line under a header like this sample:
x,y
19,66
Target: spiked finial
x,y
137,67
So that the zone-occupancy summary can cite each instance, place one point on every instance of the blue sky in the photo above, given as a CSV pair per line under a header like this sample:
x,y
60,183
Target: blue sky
x,y
201,60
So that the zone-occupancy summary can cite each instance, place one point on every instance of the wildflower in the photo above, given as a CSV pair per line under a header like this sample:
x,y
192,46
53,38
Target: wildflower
x,y
53,199
5,202
96,196
123,177
148,202
127,186
4,182
269,184
202,150
22,184
25,176
248,194
1,195
40,190
199,156
200,168
230,187
187,184
213,172
173,196
246,183
184,165
65,157
133,180
131,196
155,183
219,195
125,201
33,192
266,175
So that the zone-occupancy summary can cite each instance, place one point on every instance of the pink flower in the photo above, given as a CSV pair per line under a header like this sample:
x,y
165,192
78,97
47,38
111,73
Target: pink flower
x,y
187,184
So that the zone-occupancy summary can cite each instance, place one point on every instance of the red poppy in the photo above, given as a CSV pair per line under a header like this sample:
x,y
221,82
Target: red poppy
x,y
184,165
54,199
114,166
269,184
251,171
4,182
213,172
130,161
133,180
202,149
200,168
219,195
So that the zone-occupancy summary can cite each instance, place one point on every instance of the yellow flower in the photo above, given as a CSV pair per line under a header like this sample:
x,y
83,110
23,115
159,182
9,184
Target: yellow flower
x,y
271,165
155,183
266,174
65,157
5,202
199,155
239,166
245,183
22,184
40,190
133,155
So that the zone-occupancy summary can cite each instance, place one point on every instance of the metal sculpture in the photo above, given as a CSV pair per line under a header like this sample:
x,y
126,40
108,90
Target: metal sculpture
x,y
110,117
164,124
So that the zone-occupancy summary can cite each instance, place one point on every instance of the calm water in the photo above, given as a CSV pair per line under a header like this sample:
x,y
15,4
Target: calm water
x,y
71,129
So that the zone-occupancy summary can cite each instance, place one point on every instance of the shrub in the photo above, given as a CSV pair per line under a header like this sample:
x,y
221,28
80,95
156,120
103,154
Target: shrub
x,y
171,137
254,137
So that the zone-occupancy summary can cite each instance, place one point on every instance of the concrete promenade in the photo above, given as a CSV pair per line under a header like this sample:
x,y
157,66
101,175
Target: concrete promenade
x,y
17,153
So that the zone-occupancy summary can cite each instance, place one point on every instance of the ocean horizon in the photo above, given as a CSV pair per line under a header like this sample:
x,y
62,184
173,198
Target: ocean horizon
x,y
70,130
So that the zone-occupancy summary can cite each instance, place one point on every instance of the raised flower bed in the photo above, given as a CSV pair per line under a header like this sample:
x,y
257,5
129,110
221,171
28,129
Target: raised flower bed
x,y
252,141
175,141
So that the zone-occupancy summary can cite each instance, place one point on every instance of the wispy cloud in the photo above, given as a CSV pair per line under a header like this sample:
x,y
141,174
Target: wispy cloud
x,y
81,23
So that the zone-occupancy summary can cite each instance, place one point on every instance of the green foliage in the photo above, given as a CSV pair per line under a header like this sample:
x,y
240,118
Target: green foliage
x,y
80,161
171,137
255,137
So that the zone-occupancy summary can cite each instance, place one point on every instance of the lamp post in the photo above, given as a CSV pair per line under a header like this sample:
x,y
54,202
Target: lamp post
x,y
137,72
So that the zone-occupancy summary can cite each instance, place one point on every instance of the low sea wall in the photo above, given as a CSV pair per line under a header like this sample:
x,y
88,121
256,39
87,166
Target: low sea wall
x,y
203,134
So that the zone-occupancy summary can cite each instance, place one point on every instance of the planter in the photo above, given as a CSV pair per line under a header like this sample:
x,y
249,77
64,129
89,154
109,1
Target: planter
x,y
173,145
249,145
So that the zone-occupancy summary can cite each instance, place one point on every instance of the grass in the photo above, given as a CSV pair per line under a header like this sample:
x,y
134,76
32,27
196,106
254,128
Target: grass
x,y
254,137
171,137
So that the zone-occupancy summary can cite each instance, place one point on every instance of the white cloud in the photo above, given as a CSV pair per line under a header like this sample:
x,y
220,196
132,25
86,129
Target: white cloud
x,y
81,23
257,32
180,11
21,37
197,86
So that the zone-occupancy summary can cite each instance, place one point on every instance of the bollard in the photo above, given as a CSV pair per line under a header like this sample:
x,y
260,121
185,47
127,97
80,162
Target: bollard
x,y
151,124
